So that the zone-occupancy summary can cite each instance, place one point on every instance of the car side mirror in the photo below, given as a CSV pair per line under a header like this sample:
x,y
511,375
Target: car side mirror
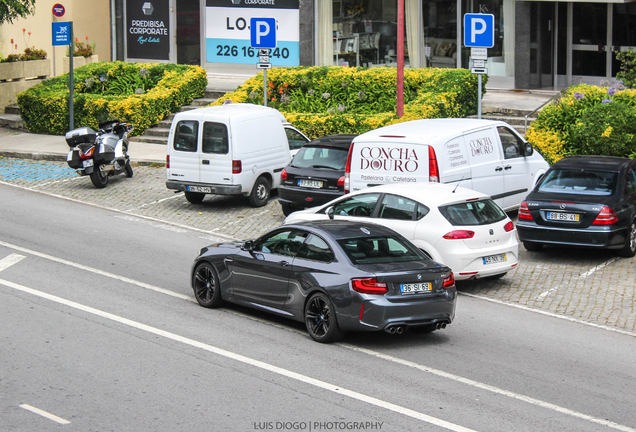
x,y
330,212
527,149
248,246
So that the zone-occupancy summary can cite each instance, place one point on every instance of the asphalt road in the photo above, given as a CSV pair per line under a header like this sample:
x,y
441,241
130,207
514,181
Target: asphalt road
x,y
100,332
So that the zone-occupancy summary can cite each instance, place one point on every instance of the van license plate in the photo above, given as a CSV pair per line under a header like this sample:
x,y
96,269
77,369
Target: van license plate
x,y
415,288
310,183
494,259
569,217
199,189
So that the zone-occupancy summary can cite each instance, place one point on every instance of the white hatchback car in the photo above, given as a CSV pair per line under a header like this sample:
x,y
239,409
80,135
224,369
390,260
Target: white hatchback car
x,y
455,226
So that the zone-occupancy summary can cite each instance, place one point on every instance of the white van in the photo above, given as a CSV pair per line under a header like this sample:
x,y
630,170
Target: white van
x,y
230,150
484,155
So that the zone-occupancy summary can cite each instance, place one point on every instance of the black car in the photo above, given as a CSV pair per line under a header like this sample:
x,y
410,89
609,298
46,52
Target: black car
x,y
316,174
583,201
334,276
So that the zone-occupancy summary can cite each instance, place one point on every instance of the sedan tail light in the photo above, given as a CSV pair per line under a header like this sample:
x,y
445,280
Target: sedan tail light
x,y
606,216
509,227
524,212
459,235
449,282
369,286
283,174
341,181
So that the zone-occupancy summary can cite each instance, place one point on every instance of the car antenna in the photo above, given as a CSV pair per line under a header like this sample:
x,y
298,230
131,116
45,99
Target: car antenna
x,y
456,186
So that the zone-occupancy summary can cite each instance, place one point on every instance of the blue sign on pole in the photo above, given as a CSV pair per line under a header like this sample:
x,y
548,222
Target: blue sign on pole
x,y
479,30
61,33
263,32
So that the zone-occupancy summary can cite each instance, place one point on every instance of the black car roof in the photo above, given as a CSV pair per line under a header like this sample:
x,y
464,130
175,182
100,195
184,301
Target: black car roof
x,y
340,229
610,163
340,140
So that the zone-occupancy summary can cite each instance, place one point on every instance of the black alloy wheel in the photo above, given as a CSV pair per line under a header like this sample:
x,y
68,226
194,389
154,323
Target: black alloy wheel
x,y
194,197
98,178
206,288
320,319
629,250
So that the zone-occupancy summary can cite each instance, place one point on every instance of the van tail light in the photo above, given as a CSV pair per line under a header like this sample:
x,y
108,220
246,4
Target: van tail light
x,y
369,286
459,235
236,167
449,282
509,227
606,216
341,181
347,177
167,161
88,154
283,174
524,212
433,169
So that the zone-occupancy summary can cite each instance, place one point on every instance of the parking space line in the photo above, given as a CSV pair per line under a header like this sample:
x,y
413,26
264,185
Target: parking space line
x,y
581,276
45,414
8,261
245,360
154,202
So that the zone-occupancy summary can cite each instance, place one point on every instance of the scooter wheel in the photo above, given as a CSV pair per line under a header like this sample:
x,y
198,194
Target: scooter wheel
x,y
128,169
99,179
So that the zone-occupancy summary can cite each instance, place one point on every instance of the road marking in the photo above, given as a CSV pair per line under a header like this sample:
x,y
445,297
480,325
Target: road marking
x,y
243,359
99,272
154,202
152,223
48,415
582,276
8,261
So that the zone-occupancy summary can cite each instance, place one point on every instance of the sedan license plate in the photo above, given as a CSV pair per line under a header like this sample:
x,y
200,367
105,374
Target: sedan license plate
x,y
415,288
492,259
199,189
310,183
569,217
87,163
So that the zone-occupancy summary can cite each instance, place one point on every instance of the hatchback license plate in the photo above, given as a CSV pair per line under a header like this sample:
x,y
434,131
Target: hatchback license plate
x,y
310,183
415,288
569,217
495,259
199,189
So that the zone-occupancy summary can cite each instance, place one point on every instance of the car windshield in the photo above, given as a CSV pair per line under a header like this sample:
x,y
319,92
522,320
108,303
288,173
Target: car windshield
x,y
481,212
320,157
578,181
377,250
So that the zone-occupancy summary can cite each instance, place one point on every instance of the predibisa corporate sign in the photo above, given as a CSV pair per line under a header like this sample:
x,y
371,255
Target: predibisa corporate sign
x,y
147,29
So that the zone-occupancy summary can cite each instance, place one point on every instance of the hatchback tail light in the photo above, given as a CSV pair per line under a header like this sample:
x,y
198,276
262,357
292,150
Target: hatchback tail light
x,y
283,174
509,227
449,282
88,154
524,212
606,216
459,235
236,167
369,286
167,161
433,169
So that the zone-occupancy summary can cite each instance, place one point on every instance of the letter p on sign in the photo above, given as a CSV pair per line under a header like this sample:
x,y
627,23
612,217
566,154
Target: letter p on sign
x,y
479,30
263,32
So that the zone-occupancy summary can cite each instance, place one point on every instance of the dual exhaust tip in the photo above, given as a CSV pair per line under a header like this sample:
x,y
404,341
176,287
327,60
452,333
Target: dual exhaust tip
x,y
399,329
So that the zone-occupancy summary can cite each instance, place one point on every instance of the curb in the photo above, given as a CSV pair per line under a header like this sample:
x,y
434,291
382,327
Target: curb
x,y
54,157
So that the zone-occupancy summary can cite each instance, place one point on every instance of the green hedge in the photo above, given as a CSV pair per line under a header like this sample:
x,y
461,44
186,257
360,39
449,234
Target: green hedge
x,y
329,100
138,93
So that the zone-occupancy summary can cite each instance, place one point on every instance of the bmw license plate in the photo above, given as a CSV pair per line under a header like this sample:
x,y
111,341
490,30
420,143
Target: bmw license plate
x,y
310,183
415,288
87,163
492,259
568,217
199,189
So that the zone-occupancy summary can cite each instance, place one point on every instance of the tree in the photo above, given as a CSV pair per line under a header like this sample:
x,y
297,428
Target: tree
x,y
12,9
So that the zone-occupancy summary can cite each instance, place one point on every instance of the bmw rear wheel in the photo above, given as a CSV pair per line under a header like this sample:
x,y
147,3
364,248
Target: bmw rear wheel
x,y
206,286
320,319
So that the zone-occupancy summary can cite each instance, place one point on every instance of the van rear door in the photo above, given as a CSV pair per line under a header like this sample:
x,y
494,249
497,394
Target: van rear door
x,y
184,159
215,157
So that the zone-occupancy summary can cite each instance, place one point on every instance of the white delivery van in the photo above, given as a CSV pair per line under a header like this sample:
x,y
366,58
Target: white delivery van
x,y
230,150
484,155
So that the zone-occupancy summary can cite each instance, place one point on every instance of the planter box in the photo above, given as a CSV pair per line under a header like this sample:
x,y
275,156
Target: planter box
x,y
17,71
77,62
11,71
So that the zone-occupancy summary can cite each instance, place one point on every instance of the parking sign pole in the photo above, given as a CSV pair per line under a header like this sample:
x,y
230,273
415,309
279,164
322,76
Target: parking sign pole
x,y
479,96
264,87
71,52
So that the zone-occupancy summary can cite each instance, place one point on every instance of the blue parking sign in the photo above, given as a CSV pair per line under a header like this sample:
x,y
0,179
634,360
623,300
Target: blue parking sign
x,y
263,32
479,30
61,33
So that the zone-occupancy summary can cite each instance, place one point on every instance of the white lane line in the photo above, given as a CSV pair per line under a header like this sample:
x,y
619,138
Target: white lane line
x,y
152,223
492,389
153,203
99,272
8,261
582,276
43,413
243,359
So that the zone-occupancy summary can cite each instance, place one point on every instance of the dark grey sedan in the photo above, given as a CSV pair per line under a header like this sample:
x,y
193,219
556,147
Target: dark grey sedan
x,y
334,276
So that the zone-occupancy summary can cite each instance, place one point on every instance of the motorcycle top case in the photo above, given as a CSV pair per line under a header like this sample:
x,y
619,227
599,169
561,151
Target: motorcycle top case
x,y
79,136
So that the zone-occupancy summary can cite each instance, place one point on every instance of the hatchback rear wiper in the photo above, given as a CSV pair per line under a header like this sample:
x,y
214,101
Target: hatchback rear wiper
x,y
323,166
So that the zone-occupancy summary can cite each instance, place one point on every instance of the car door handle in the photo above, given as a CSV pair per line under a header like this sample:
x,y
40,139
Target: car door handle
x,y
499,169
283,263
508,167
228,260
205,162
